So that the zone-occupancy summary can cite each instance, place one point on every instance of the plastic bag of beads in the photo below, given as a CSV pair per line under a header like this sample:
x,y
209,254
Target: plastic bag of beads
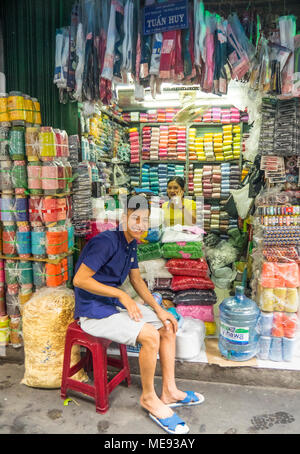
x,y
186,250
186,267
149,251
188,282
45,319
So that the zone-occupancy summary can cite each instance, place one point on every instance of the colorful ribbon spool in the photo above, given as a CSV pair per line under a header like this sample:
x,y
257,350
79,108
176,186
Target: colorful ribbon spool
x,y
39,275
56,242
47,143
25,273
7,208
19,176
11,274
54,274
4,330
16,108
50,182
28,104
32,144
5,176
38,242
17,144
4,142
34,174
4,115
9,239
35,209
23,240
21,209
37,120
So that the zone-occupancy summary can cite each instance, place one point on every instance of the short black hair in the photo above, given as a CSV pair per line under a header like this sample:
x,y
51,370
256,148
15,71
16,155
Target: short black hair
x,y
137,202
178,180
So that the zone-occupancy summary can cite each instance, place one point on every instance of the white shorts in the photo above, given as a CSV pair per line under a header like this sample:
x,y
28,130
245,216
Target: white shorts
x,y
120,327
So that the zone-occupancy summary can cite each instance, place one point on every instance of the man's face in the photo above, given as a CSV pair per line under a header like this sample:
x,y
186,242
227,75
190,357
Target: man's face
x,y
137,222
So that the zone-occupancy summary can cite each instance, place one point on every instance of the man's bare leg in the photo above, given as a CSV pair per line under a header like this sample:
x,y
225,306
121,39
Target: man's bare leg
x,y
170,393
149,338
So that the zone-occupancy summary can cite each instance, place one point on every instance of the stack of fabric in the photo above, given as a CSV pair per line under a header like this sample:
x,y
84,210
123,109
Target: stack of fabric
x,y
172,143
236,141
145,183
134,145
146,142
216,114
162,178
181,143
197,181
163,142
207,181
154,145
234,115
194,291
191,180
192,151
225,117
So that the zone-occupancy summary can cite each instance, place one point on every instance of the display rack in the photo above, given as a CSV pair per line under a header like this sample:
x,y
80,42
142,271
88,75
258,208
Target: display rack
x,y
207,126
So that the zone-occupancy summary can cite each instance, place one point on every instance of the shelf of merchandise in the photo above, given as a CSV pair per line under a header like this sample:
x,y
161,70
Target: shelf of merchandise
x,y
34,259
209,125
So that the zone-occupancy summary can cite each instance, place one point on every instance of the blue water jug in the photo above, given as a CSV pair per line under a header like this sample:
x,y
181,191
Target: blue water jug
x,y
238,340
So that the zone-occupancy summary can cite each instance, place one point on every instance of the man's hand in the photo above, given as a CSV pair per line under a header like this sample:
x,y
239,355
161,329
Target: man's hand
x,y
131,306
168,319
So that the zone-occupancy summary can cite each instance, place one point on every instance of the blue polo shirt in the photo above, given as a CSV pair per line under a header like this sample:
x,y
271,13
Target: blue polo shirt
x,y
111,257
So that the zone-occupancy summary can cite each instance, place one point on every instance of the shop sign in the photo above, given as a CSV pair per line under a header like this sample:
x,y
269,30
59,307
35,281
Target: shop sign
x,y
165,16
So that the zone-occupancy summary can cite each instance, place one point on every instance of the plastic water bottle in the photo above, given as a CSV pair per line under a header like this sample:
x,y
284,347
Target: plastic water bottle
x,y
238,340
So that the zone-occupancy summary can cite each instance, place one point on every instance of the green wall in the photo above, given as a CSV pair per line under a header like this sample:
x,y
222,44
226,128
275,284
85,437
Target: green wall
x,y
29,28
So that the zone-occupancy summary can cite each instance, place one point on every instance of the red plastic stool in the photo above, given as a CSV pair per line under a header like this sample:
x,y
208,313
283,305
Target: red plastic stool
x,y
97,356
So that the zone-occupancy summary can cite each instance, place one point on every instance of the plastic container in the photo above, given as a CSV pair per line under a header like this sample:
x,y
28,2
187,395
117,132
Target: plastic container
x,y
238,340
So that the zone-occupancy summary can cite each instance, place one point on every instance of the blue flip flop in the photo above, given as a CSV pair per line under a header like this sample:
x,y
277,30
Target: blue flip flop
x,y
190,400
173,425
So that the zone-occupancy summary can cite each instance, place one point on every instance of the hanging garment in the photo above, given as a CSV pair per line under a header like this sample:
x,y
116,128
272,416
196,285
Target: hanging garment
x,y
119,4
220,78
207,75
72,63
107,71
126,66
167,59
80,62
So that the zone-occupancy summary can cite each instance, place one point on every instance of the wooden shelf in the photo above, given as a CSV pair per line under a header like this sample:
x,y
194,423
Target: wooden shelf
x,y
33,259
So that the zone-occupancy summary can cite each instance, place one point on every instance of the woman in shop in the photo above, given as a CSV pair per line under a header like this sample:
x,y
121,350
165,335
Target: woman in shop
x,y
179,209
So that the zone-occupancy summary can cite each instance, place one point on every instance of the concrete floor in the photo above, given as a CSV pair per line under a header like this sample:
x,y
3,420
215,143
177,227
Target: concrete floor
x,y
228,409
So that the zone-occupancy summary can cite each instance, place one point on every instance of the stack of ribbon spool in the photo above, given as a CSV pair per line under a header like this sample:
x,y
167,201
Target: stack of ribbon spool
x,y
35,207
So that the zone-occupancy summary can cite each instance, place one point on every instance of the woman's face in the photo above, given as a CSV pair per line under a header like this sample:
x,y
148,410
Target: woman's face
x,y
174,190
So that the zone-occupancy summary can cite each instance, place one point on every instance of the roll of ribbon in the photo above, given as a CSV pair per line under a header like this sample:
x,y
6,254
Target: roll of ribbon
x,y
56,242
5,176
34,175
2,275
50,182
35,209
16,107
47,143
28,104
39,275
11,273
9,240
37,120
19,175
21,209
38,242
4,115
17,144
54,274
32,144
25,273
4,143
23,240
7,208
